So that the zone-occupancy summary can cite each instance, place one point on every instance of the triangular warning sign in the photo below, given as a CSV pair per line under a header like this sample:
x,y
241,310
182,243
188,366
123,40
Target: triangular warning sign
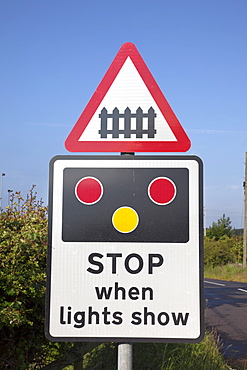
x,y
128,112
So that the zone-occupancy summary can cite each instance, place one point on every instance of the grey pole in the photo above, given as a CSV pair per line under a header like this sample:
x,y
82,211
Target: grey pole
x,y
125,350
1,191
9,191
125,356
245,214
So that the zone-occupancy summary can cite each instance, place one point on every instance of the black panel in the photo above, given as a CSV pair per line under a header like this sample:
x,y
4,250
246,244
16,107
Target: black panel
x,y
126,187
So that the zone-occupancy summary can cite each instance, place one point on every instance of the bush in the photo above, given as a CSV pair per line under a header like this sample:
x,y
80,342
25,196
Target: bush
x,y
220,228
23,246
222,251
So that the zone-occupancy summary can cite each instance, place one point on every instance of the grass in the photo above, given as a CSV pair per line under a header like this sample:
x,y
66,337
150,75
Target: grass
x,y
230,272
162,356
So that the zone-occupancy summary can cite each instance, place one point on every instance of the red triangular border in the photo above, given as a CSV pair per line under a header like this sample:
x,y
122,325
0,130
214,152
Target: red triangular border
x,y
72,142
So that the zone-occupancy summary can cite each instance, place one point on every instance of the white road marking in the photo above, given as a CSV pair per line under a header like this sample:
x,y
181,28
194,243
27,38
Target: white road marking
x,y
210,282
242,290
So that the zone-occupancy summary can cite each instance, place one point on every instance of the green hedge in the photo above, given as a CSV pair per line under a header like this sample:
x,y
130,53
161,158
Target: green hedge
x,y
23,247
222,251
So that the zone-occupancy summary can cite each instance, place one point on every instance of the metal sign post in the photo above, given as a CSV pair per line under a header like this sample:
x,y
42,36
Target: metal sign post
x,y
125,350
125,356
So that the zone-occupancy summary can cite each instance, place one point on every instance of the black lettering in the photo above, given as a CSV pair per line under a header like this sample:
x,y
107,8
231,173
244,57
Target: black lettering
x,y
167,318
103,293
62,316
117,318
117,289
79,318
114,257
150,290
150,314
180,318
127,260
136,318
96,263
105,313
69,315
92,313
151,262
134,293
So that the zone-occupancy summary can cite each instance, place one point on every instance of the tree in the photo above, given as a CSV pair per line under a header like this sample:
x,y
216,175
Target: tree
x,y
23,246
220,228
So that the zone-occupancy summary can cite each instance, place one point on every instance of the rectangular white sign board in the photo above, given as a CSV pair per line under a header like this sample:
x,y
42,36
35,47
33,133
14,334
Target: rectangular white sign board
x,y
125,249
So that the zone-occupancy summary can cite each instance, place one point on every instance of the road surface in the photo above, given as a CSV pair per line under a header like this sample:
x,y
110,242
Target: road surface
x,y
226,311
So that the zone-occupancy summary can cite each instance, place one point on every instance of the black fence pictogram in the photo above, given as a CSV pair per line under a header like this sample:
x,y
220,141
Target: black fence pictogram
x,y
128,129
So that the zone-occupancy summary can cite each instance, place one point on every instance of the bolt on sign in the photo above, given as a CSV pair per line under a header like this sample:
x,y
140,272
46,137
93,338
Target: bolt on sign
x,y
128,112
125,248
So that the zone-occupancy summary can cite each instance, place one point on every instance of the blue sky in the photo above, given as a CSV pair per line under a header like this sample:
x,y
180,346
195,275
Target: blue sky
x,y
55,53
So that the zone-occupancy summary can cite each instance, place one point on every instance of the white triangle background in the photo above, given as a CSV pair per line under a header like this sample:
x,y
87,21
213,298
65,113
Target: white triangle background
x,y
128,90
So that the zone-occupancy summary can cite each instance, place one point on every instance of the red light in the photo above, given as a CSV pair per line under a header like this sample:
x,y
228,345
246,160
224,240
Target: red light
x,y
89,190
162,190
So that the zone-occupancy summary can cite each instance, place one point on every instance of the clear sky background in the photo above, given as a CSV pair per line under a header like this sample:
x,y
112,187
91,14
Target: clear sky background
x,y
53,55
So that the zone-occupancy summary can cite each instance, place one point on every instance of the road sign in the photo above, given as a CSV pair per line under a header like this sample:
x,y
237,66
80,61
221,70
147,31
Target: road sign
x,y
125,239
128,113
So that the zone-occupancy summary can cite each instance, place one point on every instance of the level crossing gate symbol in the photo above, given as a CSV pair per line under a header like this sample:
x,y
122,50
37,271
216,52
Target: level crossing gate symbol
x,y
128,130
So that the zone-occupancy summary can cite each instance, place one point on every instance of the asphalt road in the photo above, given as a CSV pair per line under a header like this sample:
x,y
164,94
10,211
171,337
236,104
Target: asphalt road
x,y
226,311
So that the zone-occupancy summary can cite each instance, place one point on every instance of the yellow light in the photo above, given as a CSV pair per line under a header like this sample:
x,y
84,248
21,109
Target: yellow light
x,y
125,219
